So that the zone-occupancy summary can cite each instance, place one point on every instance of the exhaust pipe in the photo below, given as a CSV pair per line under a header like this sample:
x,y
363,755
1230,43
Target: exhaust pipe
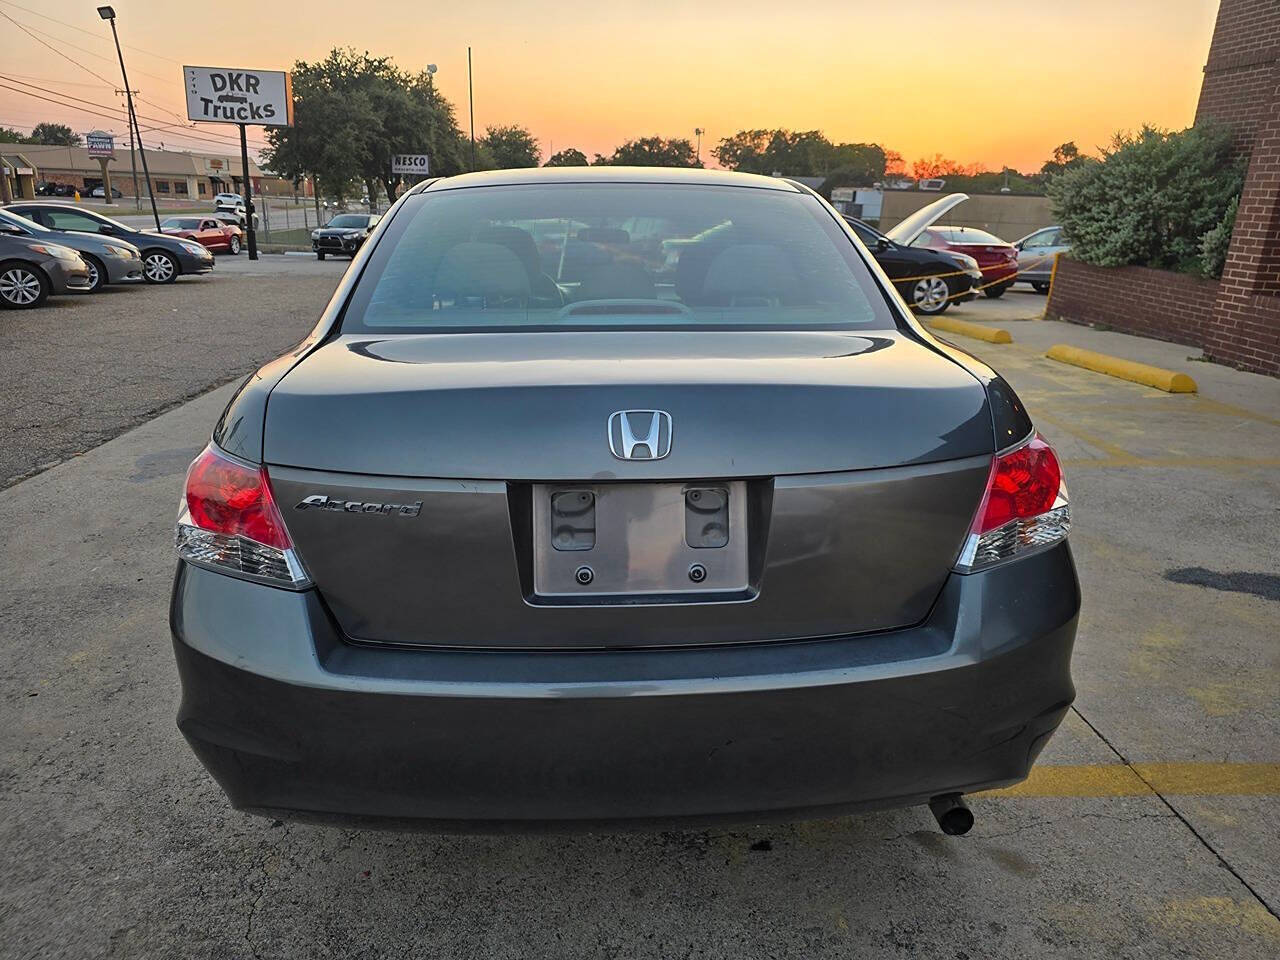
x,y
954,818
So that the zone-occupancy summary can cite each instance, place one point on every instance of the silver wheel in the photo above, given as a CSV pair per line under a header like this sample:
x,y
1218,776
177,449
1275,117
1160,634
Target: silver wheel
x,y
929,295
235,245
21,287
97,278
159,268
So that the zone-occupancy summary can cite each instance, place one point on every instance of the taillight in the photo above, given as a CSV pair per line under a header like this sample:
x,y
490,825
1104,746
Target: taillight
x,y
1023,509
229,522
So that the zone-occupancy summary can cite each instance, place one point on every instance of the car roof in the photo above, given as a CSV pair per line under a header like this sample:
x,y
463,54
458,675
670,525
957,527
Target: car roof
x,y
607,174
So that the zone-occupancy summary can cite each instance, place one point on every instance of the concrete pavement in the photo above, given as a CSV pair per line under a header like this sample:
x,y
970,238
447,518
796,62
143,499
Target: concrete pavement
x,y
117,844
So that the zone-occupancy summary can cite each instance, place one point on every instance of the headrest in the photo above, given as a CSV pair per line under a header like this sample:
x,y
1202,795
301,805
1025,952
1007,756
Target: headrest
x,y
488,270
750,270
518,241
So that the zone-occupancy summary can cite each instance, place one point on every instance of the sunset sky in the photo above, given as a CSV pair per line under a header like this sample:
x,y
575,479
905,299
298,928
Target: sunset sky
x,y
994,82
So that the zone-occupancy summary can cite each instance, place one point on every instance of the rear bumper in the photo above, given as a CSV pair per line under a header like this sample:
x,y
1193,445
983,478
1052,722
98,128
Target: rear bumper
x,y
289,717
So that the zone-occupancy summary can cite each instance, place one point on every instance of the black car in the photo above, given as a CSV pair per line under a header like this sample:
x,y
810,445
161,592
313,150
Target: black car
x,y
929,280
344,234
163,258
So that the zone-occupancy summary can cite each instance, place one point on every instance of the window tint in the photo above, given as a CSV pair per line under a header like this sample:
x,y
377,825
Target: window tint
x,y
181,223
615,255
1045,238
865,233
349,220
69,220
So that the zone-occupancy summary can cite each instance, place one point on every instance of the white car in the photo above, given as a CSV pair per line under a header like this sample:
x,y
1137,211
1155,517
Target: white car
x,y
228,200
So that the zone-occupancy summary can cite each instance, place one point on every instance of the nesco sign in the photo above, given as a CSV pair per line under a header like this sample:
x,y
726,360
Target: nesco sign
x,y
227,95
410,163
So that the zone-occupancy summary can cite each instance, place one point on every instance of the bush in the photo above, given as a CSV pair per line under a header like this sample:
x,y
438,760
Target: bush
x,y
1151,200
1214,244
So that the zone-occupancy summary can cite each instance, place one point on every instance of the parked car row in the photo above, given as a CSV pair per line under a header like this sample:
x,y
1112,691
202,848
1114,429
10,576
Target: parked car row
x,y
52,248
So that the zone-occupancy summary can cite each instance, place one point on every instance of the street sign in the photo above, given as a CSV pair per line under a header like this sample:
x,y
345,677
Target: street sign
x,y
410,163
226,95
100,144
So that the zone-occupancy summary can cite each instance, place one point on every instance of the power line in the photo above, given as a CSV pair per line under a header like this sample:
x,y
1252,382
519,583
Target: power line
x,y
45,16
162,123
53,48
112,116
91,53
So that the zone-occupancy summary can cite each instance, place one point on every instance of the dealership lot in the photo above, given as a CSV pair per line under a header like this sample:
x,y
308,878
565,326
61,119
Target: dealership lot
x,y
1147,830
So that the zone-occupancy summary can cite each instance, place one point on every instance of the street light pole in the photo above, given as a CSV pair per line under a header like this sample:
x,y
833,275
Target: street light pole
x,y
699,132
107,13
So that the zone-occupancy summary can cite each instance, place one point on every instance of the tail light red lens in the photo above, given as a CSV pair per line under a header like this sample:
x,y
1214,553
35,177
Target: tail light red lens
x,y
1023,483
1024,507
230,498
229,523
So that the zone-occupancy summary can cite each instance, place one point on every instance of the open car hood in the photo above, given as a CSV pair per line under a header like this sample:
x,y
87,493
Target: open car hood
x,y
906,232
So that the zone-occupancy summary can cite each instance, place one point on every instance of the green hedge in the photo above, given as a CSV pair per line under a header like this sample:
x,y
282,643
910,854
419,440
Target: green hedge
x,y
1155,199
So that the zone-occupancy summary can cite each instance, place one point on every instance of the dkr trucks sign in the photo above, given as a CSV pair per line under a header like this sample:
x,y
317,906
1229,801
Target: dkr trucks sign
x,y
225,95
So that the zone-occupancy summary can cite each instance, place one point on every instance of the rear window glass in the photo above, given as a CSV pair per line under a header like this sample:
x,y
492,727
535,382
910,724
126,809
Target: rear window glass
x,y
614,255
967,235
181,223
349,220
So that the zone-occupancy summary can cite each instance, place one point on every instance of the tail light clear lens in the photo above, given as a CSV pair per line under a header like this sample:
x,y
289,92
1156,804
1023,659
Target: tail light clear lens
x,y
1024,507
229,523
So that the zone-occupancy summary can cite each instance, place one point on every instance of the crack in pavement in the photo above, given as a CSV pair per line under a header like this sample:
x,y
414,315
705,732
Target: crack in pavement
x,y
1177,813
262,886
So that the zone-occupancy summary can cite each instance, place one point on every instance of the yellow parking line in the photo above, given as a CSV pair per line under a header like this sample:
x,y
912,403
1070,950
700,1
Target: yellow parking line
x,y
1173,779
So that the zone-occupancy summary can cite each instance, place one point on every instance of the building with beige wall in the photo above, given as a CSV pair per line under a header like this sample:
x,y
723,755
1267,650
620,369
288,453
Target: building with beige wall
x,y
175,175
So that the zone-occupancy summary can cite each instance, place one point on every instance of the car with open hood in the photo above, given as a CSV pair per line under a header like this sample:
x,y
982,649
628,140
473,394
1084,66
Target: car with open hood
x,y
929,280
344,234
110,260
672,512
996,259
164,258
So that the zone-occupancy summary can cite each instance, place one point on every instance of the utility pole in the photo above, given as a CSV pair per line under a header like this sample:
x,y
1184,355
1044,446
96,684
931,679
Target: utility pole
x,y
107,13
133,159
248,194
698,131
471,102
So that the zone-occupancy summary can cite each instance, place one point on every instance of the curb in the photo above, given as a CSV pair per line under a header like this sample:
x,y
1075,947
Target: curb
x,y
1169,381
967,329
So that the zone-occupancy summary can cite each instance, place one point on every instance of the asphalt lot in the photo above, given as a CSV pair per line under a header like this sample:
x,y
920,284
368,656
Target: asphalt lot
x,y
1147,829
87,367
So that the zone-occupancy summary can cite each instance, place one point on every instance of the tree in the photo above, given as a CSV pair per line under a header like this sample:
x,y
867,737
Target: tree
x,y
352,111
940,166
1152,199
568,157
1066,156
58,134
806,153
653,152
511,146
9,135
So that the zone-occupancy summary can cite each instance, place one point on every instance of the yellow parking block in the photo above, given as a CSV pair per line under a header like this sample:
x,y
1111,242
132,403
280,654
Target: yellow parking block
x,y
1168,380
1171,779
966,329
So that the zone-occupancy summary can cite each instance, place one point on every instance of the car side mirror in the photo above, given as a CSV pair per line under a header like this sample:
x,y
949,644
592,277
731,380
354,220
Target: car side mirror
x,y
883,243
10,229
106,228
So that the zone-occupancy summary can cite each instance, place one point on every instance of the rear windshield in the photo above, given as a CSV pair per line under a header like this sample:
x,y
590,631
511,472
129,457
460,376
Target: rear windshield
x,y
614,255
967,235
181,223
349,220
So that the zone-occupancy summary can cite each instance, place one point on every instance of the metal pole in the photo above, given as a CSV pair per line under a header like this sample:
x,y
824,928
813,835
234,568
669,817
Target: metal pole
x,y
471,103
128,92
248,194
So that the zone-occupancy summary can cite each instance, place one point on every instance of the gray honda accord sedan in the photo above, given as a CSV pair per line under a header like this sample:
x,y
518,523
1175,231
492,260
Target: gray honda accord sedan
x,y
620,495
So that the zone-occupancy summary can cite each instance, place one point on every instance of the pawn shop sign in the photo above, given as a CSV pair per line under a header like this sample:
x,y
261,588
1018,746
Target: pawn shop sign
x,y
261,98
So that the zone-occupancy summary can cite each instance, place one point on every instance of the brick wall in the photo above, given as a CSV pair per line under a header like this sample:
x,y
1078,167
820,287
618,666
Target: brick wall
x,y
1242,88
1151,303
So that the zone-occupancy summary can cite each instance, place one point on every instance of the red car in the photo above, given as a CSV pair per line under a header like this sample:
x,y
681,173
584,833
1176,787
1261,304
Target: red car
x,y
997,260
212,233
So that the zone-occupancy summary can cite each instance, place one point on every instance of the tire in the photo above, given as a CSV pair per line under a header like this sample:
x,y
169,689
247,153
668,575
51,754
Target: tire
x,y
234,246
997,291
97,272
159,267
1039,286
22,286
929,296
319,255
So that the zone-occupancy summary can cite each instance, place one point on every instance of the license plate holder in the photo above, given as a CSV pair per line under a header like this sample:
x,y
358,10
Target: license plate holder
x,y
639,540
